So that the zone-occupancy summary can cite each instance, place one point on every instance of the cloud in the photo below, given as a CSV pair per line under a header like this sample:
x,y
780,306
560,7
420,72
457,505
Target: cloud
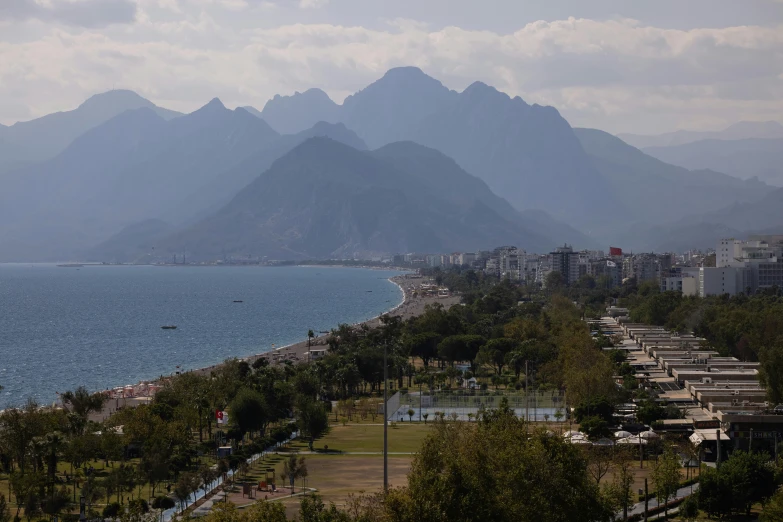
x,y
618,74
312,4
82,13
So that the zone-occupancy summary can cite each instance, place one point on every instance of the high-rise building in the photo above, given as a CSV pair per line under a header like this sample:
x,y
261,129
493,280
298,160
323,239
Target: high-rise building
x,y
565,261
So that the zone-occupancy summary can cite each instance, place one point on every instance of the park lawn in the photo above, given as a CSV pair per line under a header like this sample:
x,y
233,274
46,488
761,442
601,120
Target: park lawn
x,y
336,477
403,438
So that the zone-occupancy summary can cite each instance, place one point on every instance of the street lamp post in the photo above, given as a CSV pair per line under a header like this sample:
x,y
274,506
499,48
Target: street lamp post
x,y
385,421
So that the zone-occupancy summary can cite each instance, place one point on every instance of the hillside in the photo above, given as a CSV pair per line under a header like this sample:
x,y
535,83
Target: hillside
x,y
527,153
745,159
657,192
299,112
739,131
132,168
325,199
43,138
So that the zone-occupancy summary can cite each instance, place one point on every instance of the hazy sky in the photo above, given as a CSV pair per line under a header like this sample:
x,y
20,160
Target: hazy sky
x,y
619,65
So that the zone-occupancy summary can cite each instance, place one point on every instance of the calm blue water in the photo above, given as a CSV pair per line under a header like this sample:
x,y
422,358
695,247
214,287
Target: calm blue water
x,y
100,326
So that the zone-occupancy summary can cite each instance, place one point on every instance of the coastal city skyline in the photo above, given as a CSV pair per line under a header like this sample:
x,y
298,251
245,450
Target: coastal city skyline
x,y
361,261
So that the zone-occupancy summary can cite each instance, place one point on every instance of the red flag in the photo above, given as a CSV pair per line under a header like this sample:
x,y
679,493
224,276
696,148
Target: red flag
x,y
219,415
614,251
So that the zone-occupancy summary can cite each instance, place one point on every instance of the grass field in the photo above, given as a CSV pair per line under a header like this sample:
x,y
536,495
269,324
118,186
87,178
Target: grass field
x,y
403,438
353,471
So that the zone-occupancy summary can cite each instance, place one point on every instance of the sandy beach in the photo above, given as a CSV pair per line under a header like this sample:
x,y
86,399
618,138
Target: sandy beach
x,y
413,304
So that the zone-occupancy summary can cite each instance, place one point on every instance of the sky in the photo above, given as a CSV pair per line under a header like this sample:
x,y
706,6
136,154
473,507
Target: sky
x,y
618,65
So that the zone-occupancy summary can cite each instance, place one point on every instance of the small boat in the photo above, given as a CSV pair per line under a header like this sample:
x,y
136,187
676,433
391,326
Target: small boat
x,y
239,301
369,291
169,327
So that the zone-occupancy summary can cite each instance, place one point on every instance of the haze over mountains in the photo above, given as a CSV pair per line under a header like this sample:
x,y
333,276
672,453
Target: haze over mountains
x,y
405,164
45,137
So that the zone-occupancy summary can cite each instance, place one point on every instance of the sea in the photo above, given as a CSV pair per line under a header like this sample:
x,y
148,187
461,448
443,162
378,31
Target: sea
x,y
100,326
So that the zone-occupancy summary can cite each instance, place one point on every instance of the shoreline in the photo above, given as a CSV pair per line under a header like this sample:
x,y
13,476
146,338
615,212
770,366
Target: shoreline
x,y
410,306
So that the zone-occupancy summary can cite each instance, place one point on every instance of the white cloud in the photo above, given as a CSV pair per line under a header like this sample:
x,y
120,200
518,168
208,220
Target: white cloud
x,y
312,4
615,74
83,13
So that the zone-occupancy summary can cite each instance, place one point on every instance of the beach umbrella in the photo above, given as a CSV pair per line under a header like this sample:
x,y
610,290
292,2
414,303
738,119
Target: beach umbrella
x,y
632,440
580,441
569,433
649,435
622,434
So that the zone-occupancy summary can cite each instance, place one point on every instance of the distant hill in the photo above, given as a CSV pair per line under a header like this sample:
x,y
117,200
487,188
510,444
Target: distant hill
x,y
134,243
43,138
747,158
527,153
132,168
326,199
391,108
704,230
739,131
299,112
222,188
656,192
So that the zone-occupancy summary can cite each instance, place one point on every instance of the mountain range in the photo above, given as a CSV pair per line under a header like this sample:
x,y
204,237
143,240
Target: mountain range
x,y
45,137
326,199
747,158
742,130
404,164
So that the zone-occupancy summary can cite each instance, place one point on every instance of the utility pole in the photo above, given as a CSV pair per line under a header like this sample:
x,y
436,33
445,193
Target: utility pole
x,y
645,500
717,443
527,396
385,422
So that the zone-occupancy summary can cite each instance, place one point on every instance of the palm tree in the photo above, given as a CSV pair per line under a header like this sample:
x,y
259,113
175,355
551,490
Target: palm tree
x,y
425,417
293,469
310,335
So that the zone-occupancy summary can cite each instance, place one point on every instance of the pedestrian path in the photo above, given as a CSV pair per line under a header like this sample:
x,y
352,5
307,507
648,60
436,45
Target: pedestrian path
x,y
638,509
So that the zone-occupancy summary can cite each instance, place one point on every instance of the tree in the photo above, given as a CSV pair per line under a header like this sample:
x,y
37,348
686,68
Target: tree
x,y
163,503
714,493
460,348
313,420
294,468
82,402
771,371
312,509
424,346
496,469
594,427
410,412
650,411
57,501
5,512
495,351
666,476
619,491
751,477
598,406
265,512
600,460
248,411
773,510
689,509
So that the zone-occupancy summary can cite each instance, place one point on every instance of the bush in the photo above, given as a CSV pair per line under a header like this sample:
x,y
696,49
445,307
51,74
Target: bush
x,y
163,502
111,510
140,504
